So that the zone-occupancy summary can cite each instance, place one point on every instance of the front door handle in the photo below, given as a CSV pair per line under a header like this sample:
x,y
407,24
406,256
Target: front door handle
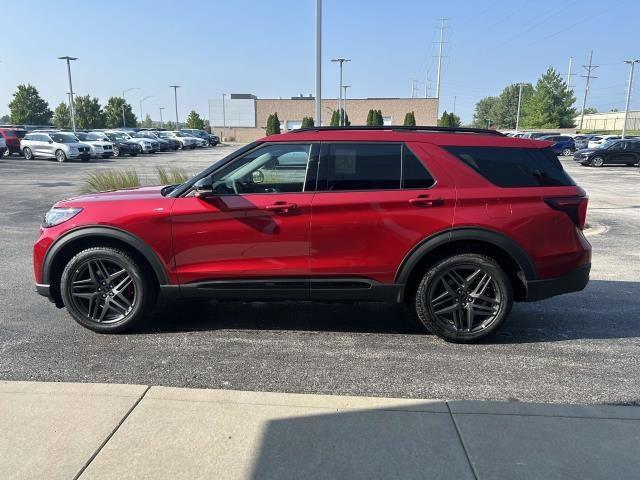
x,y
281,207
426,201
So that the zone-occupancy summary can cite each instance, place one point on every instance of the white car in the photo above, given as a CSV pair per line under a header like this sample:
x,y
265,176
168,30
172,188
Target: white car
x,y
3,145
147,145
99,148
598,140
62,146
186,141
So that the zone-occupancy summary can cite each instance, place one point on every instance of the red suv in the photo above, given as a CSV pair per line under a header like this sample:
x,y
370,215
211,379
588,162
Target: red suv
x,y
454,223
12,137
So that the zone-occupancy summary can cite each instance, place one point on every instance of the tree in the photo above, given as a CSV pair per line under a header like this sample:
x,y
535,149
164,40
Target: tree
x,y
308,122
379,120
5,119
62,116
273,124
589,111
147,122
449,120
169,125
483,111
113,113
194,120
370,117
550,106
29,107
89,112
505,110
335,118
410,119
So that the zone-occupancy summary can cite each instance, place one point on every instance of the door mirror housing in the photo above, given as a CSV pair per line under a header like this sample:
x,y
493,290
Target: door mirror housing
x,y
204,187
50,141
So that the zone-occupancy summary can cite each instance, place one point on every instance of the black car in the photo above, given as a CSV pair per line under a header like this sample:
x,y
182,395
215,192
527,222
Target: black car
x,y
166,144
121,145
625,152
212,140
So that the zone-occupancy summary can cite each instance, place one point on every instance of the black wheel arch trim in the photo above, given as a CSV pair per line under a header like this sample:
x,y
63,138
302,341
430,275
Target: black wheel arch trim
x,y
109,232
497,239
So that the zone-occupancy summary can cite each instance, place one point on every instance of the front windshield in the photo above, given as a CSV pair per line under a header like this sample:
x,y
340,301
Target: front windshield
x,y
64,138
119,136
609,144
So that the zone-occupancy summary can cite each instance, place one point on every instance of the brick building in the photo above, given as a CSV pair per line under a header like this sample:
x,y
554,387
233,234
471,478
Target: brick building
x,y
245,115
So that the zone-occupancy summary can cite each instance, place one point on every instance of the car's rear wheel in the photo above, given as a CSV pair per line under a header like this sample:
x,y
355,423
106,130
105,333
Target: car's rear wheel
x,y
28,154
106,290
464,298
597,161
7,152
566,152
61,156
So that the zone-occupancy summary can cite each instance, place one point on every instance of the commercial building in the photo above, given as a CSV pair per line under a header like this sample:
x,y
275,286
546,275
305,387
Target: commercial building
x,y
608,121
243,117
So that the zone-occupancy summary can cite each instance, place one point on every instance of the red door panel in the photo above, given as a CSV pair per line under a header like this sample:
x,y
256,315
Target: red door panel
x,y
241,236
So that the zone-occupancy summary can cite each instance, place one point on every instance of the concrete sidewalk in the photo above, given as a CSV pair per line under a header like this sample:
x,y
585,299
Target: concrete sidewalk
x,y
64,430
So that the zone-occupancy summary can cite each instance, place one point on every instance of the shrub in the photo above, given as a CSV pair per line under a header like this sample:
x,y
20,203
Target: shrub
x,y
410,119
111,179
172,176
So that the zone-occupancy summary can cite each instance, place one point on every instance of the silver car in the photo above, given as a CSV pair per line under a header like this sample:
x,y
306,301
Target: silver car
x,y
59,145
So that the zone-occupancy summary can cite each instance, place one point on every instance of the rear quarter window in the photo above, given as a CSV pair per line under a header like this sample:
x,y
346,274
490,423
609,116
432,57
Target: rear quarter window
x,y
514,167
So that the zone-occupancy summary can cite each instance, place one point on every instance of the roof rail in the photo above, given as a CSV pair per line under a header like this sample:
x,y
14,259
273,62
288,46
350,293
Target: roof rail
x,y
404,128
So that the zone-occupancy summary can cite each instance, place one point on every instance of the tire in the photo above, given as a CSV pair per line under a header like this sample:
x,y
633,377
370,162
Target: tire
x,y
85,160
28,154
180,146
61,156
193,147
477,288
566,152
597,161
111,292
133,154
116,151
7,152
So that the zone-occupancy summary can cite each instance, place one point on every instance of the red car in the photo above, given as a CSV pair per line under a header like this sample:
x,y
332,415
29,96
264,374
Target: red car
x,y
12,137
455,223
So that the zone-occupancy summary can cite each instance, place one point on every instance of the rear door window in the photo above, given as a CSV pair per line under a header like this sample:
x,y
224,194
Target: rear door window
x,y
514,167
414,173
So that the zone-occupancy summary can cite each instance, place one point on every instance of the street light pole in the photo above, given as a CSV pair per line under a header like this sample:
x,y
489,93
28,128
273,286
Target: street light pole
x,y
175,96
124,121
344,103
626,108
340,109
142,100
73,110
519,101
161,124
318,121
224,116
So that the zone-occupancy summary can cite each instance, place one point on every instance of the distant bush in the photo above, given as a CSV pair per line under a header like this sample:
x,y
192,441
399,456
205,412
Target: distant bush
x,y
104,180
172,176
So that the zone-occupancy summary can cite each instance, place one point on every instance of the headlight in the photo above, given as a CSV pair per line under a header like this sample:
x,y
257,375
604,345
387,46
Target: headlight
x,y
56,216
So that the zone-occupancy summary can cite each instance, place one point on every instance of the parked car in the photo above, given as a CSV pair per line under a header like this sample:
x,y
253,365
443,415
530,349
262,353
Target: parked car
x,y
598,140
99,148
535,135
582,140
186,141
383,229
3,146
211,140
147,145
166,144
121,143
562,144
12,137
62,146
625,152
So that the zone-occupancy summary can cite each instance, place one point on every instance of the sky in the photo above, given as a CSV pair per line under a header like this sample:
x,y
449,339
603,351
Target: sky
x,y
268,48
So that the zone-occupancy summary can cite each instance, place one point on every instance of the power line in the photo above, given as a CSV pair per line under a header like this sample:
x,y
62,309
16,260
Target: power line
x,y
589,68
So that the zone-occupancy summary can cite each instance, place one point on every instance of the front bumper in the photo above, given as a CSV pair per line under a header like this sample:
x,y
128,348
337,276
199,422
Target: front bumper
x,y
574,281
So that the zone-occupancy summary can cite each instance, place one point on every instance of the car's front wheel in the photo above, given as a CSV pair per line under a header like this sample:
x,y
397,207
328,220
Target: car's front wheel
x,y
597,161
116,151
61,156
464,298
566,152
106,290
28,154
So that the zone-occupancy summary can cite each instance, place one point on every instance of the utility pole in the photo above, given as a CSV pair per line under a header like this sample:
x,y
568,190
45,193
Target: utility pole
x,y
632,63
224,115
142,100
161,123
589,68
440,45
340,109
345,103
73,110
414,88
175,96
427,84
519,102
455,98
569,74
124,121
318,121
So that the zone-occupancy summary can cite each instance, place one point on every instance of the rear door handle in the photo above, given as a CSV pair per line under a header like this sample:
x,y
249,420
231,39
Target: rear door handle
x,y
281,207
426,201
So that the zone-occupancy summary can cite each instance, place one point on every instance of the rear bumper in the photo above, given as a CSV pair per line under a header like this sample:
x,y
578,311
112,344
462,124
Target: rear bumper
x,y
573,281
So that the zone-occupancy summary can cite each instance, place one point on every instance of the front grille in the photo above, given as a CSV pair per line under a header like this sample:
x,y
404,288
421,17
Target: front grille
x,y
83,149
107,147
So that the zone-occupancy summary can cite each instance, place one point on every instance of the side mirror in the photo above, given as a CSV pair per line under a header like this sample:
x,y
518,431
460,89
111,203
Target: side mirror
x,y
50,141
204,187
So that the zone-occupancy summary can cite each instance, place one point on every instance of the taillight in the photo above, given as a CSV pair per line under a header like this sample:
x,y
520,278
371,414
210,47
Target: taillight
x,y
574,207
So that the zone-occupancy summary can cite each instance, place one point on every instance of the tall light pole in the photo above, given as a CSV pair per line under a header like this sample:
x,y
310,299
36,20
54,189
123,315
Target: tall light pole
x,y
73,109
224,116
340,109
161,124
124,121
142,100
175,96
318,121
519,101
344,117
632,63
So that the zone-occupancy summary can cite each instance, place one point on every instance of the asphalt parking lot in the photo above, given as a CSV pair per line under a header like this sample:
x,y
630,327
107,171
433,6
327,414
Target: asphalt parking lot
x,y
578,348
